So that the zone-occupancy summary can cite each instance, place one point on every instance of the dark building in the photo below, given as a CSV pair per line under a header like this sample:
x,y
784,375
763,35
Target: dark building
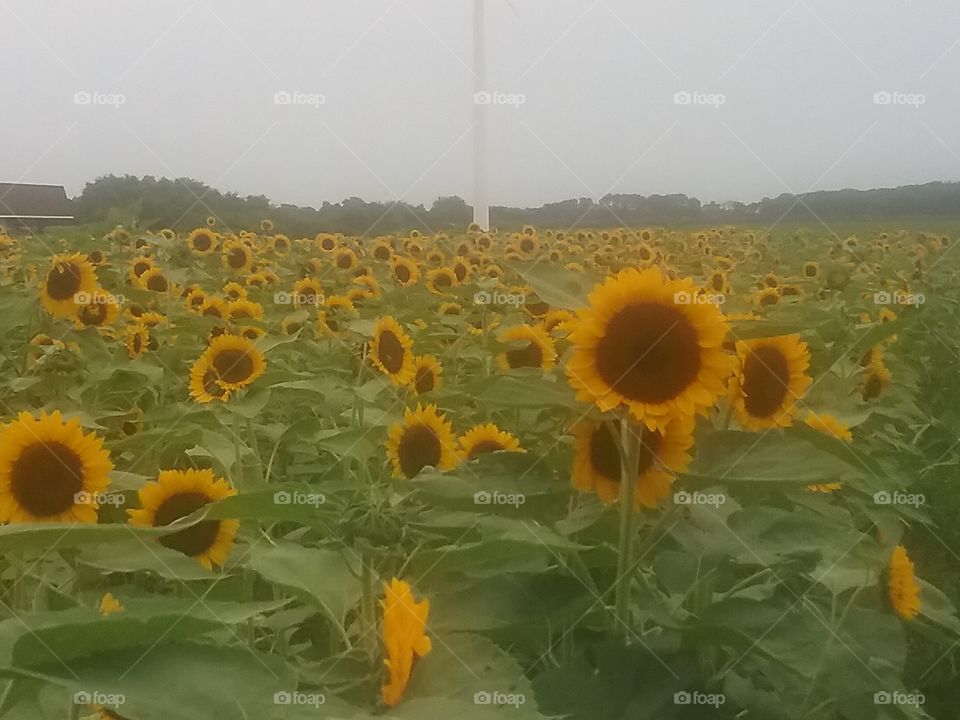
x,y
26,207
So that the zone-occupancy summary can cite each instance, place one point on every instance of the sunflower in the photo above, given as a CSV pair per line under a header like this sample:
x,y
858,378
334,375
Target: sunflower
x,y
341,304
236,256
100,312
202,241
382,250
214,307
266,225
539,352
392,351
422,438
194,300
292,324
902,587
327,242
450,308
50,470
345,258
527,243
557,321
488,438
280,244
250,332
154,280
439,281
767,297
244,310
427,374
69,276
874,380
811,269
175,494
204,387
138,266
663,453
109,605
236,361
234,291
461,268
137,341
307,291
771,377
404,637
404,271
829,425
636,346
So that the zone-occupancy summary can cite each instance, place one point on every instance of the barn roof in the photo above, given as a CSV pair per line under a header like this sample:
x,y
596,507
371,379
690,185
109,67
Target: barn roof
x,y
33,201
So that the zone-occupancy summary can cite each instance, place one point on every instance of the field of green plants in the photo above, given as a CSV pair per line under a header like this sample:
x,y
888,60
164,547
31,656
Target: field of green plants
x,y
605,474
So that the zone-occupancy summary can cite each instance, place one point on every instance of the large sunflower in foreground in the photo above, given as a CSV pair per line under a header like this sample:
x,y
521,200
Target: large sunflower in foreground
x,y
538,352
392,351
663,453
236,361
404,637
175,494
69,275
902,587
423,438
482,439
637,344
771,377
50,470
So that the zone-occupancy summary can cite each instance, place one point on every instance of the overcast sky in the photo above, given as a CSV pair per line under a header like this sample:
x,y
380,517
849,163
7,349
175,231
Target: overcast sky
x,y
780,96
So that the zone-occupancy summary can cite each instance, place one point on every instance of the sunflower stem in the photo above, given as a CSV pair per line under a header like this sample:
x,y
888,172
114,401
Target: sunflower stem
x,y
75,710
368,605
630,446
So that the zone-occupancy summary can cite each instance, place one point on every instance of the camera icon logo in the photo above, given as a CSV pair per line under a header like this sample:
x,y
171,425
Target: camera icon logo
x,y
882,298
682,698
482,98
682,498
882,497
282,697
282,97
482,697
82,698
682,97
882,97
482,497
882,697
282,497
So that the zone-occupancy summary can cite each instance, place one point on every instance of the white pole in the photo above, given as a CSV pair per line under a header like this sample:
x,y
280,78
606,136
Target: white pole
x,y
481,206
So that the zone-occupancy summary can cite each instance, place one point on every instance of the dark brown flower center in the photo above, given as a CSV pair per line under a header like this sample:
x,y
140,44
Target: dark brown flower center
x,y
418,448
649,353
202,241
424,380
233,366
390,352
605,457
63,281
193,540
766,379
529,356
484,446
402,273
237,258
46,477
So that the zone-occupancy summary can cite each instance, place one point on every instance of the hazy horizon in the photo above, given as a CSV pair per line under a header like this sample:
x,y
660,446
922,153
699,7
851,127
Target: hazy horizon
x,y
731,102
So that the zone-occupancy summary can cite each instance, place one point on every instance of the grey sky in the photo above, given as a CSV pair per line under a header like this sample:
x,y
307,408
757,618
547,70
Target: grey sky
x,y
798,80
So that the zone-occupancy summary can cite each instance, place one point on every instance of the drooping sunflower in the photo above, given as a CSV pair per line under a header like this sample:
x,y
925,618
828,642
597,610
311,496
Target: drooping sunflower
x,y
771,378
392,351
875,379
829,425
423,438
236,256
236,361
69,276
539,351
175,494
204,387
404,638
427,374
214,307
137,340
636,346
50,470
902,587
202,241
663,453
488,438
244,310
404,271
440,280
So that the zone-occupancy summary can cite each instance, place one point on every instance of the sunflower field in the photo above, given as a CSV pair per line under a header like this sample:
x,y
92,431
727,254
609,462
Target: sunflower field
x,y
593,474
